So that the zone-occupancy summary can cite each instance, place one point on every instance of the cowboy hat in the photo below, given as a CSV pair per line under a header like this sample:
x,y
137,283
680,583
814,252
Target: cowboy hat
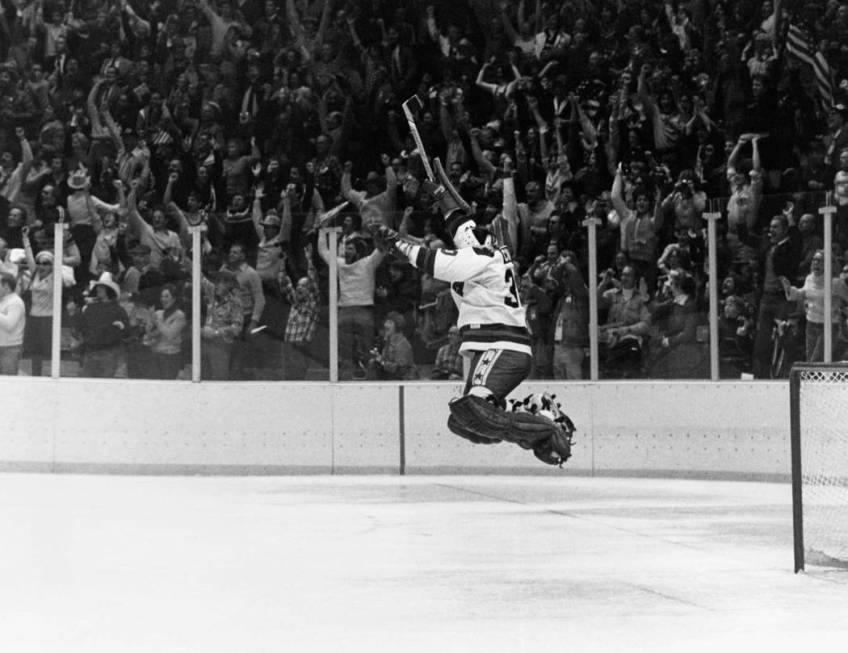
x,y
107,281
17,256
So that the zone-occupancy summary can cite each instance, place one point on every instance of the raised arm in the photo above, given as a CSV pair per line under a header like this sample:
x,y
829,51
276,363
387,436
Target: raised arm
x,y
755,156
486,86
182,223
134,18
512,35
351,28
403,228
589,137
346,187
114,132
256,211
322,26
617,195
135,221
26,152
483,163
97,127
733,159
323,246
533,104
296,26
659,210
30,257
538,18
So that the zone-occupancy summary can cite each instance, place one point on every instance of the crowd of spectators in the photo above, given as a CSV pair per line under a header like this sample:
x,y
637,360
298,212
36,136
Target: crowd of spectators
x,y
272,122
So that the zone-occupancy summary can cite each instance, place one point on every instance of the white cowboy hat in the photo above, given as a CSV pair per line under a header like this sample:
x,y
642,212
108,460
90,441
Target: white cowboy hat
x,y
107,281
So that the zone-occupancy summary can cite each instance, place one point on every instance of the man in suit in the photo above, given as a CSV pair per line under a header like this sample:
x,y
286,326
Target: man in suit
x,y
779,259
57,63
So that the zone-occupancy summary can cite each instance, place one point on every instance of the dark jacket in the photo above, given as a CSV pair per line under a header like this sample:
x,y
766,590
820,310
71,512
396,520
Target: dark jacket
x,y
97,325
785,258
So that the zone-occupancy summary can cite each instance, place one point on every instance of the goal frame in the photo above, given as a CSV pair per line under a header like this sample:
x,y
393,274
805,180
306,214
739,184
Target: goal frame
x,y
796,451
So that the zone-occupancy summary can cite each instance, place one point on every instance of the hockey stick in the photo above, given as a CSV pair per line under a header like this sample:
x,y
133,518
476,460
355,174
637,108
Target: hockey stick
x,y
413,128
326,218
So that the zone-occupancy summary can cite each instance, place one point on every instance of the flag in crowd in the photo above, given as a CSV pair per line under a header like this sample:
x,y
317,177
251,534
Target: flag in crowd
x,y
799,45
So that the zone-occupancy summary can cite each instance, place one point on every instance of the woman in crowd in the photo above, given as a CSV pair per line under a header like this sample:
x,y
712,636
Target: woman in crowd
x,y
394,361
38,281
165,335
675,353
812,294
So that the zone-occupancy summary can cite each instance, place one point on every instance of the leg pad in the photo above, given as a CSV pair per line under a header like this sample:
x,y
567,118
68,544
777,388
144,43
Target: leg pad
x,y
457,428
479,417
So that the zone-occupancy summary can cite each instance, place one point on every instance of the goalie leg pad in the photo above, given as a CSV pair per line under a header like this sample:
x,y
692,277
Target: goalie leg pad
x,y
476,438
482,418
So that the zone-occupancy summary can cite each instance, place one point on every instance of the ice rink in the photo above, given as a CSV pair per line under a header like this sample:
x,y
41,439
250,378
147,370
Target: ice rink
x,y
432,564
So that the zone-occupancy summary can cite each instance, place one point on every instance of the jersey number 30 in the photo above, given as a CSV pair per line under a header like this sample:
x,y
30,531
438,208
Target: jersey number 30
x,y
511,299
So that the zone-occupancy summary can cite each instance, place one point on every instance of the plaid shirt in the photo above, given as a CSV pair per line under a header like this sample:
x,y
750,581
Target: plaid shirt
x,y
303,316
448,359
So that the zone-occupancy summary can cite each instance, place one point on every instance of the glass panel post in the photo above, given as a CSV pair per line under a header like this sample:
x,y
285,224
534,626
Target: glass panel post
x,y
713,281
56,332
334,305
827,212
592,226
196,280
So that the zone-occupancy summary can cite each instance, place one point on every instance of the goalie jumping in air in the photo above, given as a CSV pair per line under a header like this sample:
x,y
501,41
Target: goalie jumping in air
x,y
494,334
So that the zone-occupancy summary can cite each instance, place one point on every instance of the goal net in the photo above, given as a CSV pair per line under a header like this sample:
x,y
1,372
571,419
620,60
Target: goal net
x,y
819,412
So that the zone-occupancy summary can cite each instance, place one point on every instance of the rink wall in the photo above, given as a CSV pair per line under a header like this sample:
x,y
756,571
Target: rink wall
x,y
646,428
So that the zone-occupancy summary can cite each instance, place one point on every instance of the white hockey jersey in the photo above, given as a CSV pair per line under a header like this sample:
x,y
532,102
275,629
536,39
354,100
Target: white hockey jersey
x,y
485,289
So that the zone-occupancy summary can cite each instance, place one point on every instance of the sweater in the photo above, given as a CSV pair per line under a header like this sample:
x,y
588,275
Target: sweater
x,y
812,293
12,320
170,331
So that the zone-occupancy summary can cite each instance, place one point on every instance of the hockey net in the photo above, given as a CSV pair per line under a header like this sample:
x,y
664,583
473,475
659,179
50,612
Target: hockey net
x,y
819,408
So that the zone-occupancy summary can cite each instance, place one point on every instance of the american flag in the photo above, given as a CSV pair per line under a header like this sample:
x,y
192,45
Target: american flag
x,y
798,45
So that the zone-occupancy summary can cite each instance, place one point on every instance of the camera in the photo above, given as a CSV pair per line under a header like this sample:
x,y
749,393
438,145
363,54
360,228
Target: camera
x,y
684,188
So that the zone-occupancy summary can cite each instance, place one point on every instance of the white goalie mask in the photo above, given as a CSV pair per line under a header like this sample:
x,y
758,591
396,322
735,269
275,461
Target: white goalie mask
x,y
467,234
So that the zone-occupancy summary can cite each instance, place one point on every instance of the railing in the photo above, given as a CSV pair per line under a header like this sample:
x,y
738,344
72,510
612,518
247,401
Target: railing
x,y
724,330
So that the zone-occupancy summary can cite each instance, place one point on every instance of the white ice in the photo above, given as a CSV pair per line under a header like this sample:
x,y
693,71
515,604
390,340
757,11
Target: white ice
x,y
406,564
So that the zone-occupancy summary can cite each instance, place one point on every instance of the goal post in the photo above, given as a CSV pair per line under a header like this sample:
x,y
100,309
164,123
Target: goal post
x,y
818,398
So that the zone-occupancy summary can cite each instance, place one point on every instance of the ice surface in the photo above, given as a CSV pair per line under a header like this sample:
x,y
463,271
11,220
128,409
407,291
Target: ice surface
x,y
405,564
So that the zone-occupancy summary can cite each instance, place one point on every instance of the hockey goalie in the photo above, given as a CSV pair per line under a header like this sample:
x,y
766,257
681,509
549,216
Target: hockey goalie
x,y
494,334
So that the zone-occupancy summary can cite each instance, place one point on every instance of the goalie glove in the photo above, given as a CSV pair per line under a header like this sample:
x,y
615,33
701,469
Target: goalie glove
x,y
554,449
391,240
385,235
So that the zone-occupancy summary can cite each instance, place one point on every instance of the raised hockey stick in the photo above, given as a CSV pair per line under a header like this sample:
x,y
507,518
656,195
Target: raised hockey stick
x,y
413,128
